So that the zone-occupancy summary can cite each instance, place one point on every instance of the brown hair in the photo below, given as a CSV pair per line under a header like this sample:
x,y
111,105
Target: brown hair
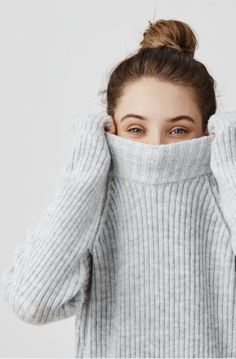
x,y
167,53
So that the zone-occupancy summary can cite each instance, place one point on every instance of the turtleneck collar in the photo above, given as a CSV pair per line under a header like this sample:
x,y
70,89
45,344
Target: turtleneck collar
x,y
158,164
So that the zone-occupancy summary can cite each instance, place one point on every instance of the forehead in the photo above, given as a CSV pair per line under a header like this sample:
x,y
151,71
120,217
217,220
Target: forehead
x,y
152,97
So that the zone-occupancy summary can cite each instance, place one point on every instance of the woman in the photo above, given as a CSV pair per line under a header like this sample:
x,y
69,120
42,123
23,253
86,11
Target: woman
x,y
139,242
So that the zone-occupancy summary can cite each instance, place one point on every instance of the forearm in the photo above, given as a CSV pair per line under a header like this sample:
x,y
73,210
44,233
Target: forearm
x,y
53,264
223,165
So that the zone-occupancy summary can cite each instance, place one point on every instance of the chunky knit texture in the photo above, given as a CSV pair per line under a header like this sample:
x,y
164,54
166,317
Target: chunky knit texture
x,y
139,242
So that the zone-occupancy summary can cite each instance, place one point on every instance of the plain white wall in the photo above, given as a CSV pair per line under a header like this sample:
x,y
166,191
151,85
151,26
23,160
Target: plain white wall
x,y
55,57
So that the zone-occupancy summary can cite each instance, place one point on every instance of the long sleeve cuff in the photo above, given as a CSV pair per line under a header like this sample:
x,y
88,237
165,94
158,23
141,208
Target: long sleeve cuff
x,y
224,143
223,165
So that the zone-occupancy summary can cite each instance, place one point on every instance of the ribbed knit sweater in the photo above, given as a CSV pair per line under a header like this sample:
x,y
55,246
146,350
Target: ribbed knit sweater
x,y
138,243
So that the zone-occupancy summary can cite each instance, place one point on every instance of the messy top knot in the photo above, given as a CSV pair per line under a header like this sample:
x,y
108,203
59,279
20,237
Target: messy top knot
x,y
166,53
170,33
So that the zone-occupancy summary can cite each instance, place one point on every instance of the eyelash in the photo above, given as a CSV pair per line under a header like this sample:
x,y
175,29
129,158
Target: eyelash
x,y
178,128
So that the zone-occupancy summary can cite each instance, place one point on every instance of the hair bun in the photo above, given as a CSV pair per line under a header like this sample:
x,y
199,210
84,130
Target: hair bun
x,y
170,33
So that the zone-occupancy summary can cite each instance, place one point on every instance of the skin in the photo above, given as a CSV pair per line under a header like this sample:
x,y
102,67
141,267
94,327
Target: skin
x,y
157,101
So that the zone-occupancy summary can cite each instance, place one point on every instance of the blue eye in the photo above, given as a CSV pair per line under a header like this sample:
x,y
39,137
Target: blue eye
x,y
139,129
134,128
180,129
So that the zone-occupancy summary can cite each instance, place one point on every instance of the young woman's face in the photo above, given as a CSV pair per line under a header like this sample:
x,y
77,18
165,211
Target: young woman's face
x,y
147,110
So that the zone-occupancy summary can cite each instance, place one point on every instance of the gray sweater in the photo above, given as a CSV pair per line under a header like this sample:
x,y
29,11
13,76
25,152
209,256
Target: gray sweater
x,y
139,244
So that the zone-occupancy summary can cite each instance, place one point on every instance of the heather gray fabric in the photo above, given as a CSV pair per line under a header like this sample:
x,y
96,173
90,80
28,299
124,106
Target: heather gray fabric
x,y
139,243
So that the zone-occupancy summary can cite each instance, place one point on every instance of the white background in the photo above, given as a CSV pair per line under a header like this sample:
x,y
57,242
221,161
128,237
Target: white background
x,y
55,57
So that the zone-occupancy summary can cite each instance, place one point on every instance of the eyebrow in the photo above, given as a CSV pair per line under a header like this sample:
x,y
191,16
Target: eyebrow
x,y
174,119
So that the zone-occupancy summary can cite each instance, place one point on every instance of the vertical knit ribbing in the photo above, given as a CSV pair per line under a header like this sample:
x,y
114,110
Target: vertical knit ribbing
x,y
175,277
52,268
143,254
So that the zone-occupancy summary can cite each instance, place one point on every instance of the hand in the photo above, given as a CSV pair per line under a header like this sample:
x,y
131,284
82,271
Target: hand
x,y
112,128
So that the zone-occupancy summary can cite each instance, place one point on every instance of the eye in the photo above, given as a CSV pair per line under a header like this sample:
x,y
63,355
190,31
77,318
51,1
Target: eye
x,y
179,129
131,130
134,128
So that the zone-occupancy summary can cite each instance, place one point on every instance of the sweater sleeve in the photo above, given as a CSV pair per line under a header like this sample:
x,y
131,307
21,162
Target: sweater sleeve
x,y
223,165
51,270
